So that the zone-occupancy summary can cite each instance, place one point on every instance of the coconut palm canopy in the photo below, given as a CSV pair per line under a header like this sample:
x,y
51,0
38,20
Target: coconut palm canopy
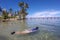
x,y
23,5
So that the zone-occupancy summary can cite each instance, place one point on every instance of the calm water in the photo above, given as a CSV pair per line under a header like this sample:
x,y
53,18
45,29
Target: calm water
x,y
49,29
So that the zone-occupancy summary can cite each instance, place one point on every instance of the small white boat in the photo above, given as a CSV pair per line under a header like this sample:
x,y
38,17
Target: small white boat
x,y
26,31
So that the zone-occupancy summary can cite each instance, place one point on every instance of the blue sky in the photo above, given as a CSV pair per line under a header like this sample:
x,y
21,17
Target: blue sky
x,y
37,8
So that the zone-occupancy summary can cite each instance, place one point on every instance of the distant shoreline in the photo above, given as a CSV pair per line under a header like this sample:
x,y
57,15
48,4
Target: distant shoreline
x,y
12,19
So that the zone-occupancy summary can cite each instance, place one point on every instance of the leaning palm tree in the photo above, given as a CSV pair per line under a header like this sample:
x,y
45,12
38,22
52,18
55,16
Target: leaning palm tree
x,y
23,7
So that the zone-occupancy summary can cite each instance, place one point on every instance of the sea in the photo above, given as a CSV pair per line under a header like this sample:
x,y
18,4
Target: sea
x,y
49,29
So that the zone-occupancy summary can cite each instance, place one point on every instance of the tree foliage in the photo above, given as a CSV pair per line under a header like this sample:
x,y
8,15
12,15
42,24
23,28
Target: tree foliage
x,y
23,7
4,14
0,9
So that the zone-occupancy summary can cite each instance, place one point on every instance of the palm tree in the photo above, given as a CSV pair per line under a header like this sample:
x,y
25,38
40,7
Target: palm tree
x,y
21,4
0,9
24,7
10,10
0,12
4,15
15,14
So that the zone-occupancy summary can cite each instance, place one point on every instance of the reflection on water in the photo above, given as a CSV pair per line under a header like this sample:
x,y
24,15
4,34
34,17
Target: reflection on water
x,y
49,29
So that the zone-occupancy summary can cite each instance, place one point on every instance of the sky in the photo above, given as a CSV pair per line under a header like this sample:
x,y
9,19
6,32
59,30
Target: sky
x,y
37,8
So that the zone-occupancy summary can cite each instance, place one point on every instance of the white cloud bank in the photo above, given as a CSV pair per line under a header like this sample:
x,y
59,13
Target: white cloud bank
x,y
45,14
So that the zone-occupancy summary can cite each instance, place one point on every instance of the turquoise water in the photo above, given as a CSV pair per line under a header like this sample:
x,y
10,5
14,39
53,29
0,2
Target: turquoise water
x,y
49,29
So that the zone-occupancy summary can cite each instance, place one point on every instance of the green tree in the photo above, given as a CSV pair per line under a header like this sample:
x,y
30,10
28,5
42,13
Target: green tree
x,y
4,14
10,12
23,7
15,14
0,9
0,12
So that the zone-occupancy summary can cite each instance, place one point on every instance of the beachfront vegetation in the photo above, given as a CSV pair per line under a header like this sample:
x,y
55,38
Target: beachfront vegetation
x,y
12,14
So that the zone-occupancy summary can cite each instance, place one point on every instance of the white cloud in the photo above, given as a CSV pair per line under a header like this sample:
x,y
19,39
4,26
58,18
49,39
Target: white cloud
x,y
45,14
